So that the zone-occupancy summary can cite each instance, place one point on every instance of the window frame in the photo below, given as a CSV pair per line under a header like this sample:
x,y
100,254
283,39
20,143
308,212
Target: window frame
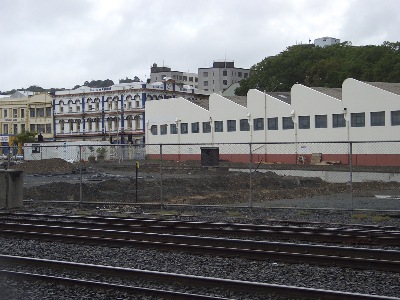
x,y
244,125
163,129
377,118
272,123
218,126
357,119
195,126
173,129
206,127
184,128
258,124
286,125
338,121
395,117
231,125
304,122
153,129
321,121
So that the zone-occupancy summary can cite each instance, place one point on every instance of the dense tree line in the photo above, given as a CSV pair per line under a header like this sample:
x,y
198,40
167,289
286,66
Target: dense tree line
x,y
324,67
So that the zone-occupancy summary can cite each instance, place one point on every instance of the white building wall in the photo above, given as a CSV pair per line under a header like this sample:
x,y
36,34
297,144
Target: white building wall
x,y
356,97
326,41
223,109
175,111
261,105
309,102
361,97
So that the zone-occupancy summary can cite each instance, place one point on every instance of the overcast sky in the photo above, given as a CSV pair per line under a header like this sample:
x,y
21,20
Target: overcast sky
x,y
62,43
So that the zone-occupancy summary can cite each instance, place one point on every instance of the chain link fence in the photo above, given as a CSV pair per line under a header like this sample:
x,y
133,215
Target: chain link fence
x,y
347,175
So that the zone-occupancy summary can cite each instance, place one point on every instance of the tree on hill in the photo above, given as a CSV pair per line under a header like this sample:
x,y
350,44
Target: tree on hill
x,y
324,67
35,89
128,80
99,83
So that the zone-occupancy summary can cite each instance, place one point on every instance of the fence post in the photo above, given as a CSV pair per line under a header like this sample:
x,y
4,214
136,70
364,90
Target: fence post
x,y
80,176
250,171
351,174
161,181
9,157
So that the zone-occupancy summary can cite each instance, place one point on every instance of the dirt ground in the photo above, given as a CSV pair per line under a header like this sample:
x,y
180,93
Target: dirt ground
x,y
182,183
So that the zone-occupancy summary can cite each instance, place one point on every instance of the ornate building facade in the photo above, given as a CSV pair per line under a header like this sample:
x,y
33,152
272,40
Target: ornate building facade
x,y
31,112
115,113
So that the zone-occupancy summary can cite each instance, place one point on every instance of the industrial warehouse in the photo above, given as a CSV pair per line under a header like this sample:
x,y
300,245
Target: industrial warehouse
x,y
360,111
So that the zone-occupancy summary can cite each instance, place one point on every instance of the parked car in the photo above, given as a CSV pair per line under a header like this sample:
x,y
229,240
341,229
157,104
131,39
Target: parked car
x,y
3,156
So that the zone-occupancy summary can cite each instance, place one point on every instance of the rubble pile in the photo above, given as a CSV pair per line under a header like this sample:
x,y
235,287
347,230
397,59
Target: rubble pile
x,y
47,167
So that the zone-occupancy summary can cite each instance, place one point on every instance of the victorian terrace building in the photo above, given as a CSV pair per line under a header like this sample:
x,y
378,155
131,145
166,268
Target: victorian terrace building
x,y
115,113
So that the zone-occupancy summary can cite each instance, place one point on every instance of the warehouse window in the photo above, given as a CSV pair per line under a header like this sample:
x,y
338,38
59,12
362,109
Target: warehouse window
x,y
231,125
219,126
357,119
184,128
195,127
321,121
206,127
287,123
153,129
173,129
338,120
258,124
273,123
395,117
244,125
378,118
163,129
304,122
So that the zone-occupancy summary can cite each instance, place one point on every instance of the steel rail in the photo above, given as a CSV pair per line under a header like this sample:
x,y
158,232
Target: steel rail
x,y
191,280
195,223
293,257
107,286
97,230
350,236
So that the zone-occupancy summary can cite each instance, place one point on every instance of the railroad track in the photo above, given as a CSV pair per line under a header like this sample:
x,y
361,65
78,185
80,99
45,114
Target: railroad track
x,y
369,235
252,288
115,233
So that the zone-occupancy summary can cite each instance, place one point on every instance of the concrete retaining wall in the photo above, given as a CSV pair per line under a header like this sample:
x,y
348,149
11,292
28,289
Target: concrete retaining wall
x,y
11,188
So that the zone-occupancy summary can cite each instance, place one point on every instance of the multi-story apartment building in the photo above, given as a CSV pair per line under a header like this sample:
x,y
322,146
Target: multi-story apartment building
x,y
115,113
222,74
31,112
158,74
